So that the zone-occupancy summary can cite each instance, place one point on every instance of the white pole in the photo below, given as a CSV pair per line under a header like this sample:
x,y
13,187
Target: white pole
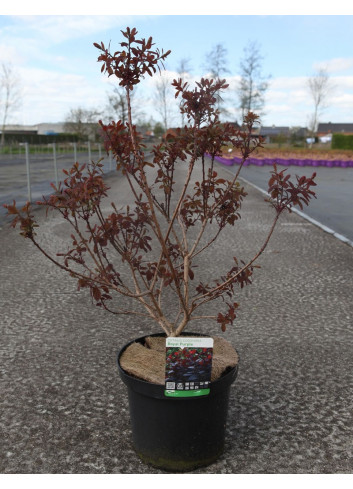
x,y
28,173
111,160
55,166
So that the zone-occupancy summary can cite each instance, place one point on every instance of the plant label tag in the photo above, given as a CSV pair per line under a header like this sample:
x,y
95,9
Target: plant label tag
x,y
188,366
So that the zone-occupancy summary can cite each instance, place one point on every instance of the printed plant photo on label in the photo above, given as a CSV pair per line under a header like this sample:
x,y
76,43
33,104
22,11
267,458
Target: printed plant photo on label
x,y
188,364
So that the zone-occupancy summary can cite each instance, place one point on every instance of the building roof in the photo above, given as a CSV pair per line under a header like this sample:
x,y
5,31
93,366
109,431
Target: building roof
x,y
299,131
42,128
325,127
19,128
50,127
273,130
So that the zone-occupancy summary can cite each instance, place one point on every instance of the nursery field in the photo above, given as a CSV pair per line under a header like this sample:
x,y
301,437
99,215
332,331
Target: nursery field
x,y
320,153
334,191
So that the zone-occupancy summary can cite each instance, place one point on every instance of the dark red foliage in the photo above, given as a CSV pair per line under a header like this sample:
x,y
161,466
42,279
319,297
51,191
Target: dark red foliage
x,y
186,362
134,60
140,250
285,193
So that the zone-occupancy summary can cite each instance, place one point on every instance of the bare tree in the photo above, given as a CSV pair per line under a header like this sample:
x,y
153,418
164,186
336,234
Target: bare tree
x,y
217,66
183,69
320,87
253,85
9,95
83,122
162,99
117,107
117,104
216,61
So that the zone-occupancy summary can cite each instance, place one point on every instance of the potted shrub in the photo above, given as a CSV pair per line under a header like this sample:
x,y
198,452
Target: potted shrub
x,y
147,256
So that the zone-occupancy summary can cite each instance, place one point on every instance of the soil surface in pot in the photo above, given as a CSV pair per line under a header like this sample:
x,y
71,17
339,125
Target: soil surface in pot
x,y
147,362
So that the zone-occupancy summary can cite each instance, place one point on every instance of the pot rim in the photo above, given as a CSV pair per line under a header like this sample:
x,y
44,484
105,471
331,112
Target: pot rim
x,y
157,390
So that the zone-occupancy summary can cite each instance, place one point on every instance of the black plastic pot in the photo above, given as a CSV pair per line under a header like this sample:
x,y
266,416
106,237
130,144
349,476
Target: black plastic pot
x,y
173,433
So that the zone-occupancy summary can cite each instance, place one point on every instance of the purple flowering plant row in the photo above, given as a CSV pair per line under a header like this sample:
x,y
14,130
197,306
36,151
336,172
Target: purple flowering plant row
x,y
285,162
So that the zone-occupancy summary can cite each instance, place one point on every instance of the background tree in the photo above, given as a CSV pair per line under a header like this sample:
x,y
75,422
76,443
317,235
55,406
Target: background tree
x,y
9,94
183,69
117,105
158,130
117,108
163,96
216,65
83,122
253,85
144,124
320,87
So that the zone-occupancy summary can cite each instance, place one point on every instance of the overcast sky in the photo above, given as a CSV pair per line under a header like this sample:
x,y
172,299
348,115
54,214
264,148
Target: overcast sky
x,y
58,70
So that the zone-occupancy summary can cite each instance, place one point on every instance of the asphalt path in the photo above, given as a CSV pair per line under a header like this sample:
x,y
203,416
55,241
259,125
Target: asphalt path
x,y
13,176
64,409
333,206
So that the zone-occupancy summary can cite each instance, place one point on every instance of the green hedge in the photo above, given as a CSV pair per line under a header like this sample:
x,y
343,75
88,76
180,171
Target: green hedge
x,y
341,141
40,138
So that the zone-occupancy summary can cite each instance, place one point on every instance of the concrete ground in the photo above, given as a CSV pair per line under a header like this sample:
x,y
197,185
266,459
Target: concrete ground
x,y
65,410
13,175
334,192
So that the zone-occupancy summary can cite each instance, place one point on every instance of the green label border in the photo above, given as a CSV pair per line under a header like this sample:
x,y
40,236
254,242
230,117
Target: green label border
x,y
190,393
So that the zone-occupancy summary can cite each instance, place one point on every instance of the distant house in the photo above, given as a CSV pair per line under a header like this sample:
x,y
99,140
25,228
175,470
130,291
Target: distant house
x,y
235,125
299,132
170,134
49,128
45,132
274,133
255,129
44,128
15,129
325,128
325,139
147,134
